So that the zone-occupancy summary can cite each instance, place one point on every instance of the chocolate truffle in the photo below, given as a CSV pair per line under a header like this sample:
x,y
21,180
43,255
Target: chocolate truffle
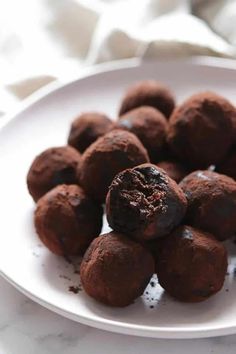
x,y
116,270
87,128
54,166
174,169
228,165
191,264
67,220
145,203
211,203
148,93
201,129
149,125
107,156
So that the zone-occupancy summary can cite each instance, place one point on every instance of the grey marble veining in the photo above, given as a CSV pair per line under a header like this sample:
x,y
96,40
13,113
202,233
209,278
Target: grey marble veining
x,y
28,328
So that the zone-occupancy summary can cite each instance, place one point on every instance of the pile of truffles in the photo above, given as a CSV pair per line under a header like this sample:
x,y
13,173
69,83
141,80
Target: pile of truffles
x,y
166,175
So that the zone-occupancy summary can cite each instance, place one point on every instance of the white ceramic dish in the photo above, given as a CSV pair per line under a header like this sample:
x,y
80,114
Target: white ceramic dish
x,y
43,121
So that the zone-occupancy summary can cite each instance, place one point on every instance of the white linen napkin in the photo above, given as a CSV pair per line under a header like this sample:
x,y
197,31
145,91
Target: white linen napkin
x,y
46,40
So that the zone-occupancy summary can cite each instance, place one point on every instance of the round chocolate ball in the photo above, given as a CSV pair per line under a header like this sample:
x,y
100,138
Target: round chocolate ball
x,y
175,170
211,203
201,130
116,270
149,125
107,156
228,165
67,220
148,93
191,264
87,128
53,166
145,203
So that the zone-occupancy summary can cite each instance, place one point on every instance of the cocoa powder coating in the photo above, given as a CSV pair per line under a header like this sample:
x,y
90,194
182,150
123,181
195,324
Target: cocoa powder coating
x,y
116,270
149,125
87,128
191,264
201,130
110,154
148,93
54,166
67,220
211,203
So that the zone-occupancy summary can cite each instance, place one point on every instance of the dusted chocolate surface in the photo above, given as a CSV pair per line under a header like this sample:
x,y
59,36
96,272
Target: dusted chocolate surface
x,y
148,93
211,203
87,128
115,270
201,129
149,125
109,155
57,165
191,265
67,220
174,169
144,203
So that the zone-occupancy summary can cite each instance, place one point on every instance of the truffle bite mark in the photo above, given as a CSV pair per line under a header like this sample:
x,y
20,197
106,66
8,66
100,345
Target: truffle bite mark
x,y
144,202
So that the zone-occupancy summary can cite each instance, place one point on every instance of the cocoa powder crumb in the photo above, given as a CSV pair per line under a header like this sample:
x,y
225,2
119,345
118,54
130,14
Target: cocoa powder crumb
x,y
75,289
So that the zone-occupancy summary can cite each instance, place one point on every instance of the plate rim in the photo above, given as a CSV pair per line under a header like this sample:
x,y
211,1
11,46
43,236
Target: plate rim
x,y
204,61
101,323
127,329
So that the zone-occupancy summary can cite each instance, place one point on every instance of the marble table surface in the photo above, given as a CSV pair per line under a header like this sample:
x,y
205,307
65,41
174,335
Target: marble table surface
x,y
28,328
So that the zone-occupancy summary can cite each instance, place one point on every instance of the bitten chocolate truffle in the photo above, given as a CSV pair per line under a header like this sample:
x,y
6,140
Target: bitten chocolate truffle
x,y
228,165
191,264
149,125
211,203
201,129
54,166
148,93
87,128
107,156
174,169
144,203
116,270
67,220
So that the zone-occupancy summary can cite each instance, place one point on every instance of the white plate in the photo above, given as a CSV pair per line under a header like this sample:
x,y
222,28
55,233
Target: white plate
x,y
43,122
